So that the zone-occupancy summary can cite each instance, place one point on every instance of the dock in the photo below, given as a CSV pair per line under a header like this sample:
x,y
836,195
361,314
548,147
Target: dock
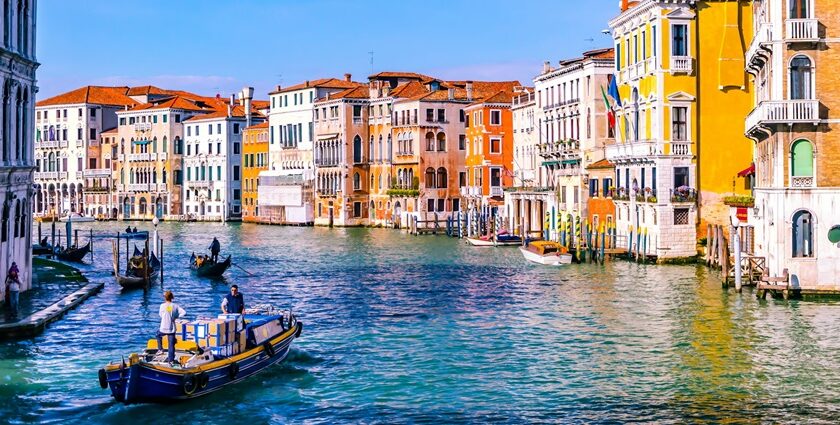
x,y
36,322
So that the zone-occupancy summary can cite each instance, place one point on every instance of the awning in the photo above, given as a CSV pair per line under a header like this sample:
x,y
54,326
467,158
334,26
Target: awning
x,y
328,136
550,163
141,142
571,161
749,171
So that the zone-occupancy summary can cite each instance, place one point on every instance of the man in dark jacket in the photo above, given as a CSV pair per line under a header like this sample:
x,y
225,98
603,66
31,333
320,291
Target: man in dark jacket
x,y
233,303
214,248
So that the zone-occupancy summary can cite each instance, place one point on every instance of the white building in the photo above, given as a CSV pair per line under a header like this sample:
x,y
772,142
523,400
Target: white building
x,y
17,113
67,127
212,162
286,188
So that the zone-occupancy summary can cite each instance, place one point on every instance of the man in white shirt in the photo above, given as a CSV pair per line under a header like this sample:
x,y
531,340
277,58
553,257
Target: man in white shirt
x,y
169,311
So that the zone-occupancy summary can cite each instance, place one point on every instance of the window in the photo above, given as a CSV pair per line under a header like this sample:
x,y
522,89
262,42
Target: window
x,y
430,205
122,121
177,117
462,142
441,142
799,9
593,188
802,234
441,205
164,117
462,178
219,172
154,119
442,180
800,78
236,128
495,117
236,148
430,115
236,194
679,40
495,177
456,205
680,216
441,115
430,178
606,183
617,57
495,145
357,149
430,141
357,181
680,177
461,115
79,133
801,159
679,128
92,134
357,209
179,176
189,131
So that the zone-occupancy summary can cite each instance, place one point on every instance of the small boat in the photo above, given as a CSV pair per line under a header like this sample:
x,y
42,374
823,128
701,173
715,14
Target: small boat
x,y
208,268
140,234
501,240
135,276
46,218
546,252
74,254
198,371
42,248
77,218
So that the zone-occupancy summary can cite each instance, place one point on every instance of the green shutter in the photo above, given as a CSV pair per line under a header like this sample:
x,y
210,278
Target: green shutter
x,y
802,159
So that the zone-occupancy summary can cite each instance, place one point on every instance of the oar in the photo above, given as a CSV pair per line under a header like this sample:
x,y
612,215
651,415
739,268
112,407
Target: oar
x,y
240,268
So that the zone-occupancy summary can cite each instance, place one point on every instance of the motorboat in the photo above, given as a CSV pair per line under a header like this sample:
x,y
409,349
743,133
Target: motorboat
x,y
546,252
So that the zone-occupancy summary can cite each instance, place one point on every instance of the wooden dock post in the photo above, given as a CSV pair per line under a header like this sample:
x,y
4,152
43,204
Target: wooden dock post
x,y
39,232
709,239
160,242
146,253
736,244
91,245
53,235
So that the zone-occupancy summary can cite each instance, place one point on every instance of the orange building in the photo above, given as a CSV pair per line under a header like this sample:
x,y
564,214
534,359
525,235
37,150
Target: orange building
x,y
600,203
489,160
254,160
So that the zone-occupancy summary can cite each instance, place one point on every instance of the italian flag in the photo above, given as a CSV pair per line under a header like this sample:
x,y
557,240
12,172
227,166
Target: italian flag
x,y
610,113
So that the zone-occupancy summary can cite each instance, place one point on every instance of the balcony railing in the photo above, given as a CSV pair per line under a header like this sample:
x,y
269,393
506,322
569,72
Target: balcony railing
x,y
682,64
783,112
683,195
140,187
62,144
681,148
140,157
801,181
45,175
79,175
801,30
200,184
142,126
496,191
763,36
46,144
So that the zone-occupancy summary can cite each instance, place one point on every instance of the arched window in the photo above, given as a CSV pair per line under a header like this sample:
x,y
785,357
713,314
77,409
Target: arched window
x,y
430,178
357,149
441,142
164,144
635,114
803,238
800,78
430,141
799,9
371,182
17,218
441,178
154,144
370,149
381,158
357,181
802,164
388,148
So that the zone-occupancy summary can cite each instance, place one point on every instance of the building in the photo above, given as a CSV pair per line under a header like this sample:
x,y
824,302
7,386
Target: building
x,y
17,144
286,188
571,132
68,129
100,198
489,146
342,158
600,207
213,160
796,129
254,161
677,151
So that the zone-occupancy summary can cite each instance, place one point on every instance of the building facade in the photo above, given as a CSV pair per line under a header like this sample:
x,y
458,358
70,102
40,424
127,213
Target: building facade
x,y
489,147
795,126
100,200
68,130
677,152
254,161
17,110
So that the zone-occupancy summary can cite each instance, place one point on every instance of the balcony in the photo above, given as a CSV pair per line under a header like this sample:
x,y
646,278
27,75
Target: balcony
x,y
162,156
80,143
200,184
120,188
97,189
46,144
801,30
46,175
161,187
801,181
140,157
139,187
471,191
682,64
496,191
758,53
79,175
783,112
142,126
683,195
62,144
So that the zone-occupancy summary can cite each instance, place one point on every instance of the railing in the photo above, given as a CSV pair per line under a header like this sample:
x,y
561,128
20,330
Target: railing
x,y
79,175
496,191
162,187
139,157
682,149
96,189
142,126
46,144
801,181
783,112
327,162
634,150
682,64
683,195
358,120
44,175
801,30
523,98
647,195
473,191
200,184
139,187
62,144
763,35
120,188
80,143
162,156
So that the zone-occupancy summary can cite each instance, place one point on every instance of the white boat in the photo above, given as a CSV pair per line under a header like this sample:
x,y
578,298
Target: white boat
x,y
76,218
509,241
546,252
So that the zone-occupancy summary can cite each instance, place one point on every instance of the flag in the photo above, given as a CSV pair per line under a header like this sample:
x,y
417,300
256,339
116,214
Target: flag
x,y
613,92
610,113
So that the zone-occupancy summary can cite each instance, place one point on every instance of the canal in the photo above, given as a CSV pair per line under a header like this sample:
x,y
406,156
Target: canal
x,y
427,329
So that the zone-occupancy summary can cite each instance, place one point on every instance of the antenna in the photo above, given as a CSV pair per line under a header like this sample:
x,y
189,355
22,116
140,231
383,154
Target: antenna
x,y
371,61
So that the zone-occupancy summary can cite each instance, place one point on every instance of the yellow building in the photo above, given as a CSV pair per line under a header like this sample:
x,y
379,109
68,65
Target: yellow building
x,y
683,94
254,160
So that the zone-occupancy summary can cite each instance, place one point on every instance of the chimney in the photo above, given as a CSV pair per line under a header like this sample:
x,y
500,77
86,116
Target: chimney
x,y
232,99
246,95
307,84
451,93
348,77
278,88
228,110
546,66
469,90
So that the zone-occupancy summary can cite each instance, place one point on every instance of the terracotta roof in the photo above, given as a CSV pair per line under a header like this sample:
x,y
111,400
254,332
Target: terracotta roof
x,y
144,90
328,83
409,89
605,53
602,164
110,131
481,90
500,96
260,104
360,92
392,74
174,102
97,95
236,112
263,124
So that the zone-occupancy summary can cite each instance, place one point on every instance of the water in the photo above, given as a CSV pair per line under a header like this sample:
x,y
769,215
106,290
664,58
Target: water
x,y
412,329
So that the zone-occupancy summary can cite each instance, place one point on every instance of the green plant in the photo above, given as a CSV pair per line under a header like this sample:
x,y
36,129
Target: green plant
x,y
703,241
739,201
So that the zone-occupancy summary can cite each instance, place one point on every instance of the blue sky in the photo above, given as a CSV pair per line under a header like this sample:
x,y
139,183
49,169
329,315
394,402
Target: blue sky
x,y
220,46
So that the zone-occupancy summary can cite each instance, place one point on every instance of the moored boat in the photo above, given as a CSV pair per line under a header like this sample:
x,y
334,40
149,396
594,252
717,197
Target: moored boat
x,y
135,275
77,218
42,248
205,267
500,240
198,371
140,234
546,252
74,254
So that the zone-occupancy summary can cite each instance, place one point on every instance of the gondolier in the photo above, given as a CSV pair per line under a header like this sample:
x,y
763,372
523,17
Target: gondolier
x,y
233,303
215,248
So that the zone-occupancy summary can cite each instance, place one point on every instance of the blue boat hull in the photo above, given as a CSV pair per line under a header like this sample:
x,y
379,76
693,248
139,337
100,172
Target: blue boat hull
x,y
146,383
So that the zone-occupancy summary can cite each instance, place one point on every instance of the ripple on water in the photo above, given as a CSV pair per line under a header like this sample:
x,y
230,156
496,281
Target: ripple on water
x,y
429,330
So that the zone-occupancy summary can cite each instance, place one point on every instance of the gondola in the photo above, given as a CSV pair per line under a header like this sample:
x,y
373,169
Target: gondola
x,y
209,268
74,254
134,277
42,248
140,234
147,378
